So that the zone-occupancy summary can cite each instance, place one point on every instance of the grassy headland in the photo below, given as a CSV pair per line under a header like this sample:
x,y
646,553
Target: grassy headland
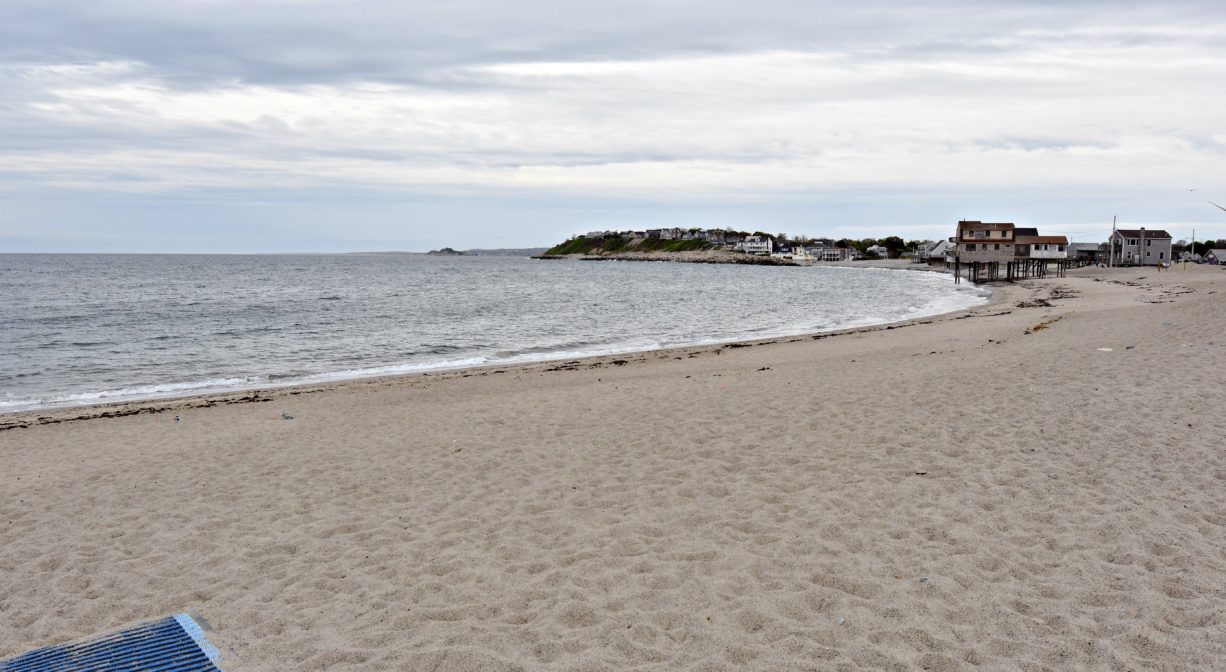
x,y
623,244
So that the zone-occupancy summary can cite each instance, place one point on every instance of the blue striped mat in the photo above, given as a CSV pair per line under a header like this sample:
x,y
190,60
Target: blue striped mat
x,y
173,644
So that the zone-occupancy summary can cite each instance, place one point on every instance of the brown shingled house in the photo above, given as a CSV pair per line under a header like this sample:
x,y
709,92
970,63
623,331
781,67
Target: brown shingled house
x,y
984,242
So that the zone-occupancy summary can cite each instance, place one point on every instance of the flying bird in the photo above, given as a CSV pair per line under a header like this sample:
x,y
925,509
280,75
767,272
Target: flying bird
x,y
1216,206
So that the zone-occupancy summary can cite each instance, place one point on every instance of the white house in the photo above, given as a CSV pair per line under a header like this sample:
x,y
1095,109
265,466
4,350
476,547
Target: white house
x,y
756,245
1041,247
933,251
923,251
1215,257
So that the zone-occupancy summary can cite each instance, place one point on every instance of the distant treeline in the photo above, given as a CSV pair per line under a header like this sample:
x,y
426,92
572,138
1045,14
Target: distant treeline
x,y
631,241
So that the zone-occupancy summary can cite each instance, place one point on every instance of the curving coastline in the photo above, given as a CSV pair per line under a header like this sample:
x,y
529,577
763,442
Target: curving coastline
x,y
713,313
694,257
961,488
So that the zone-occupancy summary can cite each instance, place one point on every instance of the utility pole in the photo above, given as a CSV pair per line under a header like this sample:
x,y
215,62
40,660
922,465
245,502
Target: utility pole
x,y
1111,250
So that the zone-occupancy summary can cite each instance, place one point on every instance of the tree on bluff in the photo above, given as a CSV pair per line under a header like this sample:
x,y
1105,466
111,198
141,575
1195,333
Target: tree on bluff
x,y
893,243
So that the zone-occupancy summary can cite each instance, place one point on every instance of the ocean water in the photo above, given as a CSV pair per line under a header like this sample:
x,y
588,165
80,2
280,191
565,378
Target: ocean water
x,y
81,329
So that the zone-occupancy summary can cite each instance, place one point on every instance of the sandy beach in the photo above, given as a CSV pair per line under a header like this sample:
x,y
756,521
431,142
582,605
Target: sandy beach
x,y
1034,484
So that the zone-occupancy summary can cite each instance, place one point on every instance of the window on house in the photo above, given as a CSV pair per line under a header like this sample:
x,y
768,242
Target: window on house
x,y
1148,242
979,234
1132,241
1059,248
998,246
970,247
1160,254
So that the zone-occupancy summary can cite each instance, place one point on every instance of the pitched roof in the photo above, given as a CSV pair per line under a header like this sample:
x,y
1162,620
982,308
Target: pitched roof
x,y
1040,240
1149,233
1218,254
973,224
1025,231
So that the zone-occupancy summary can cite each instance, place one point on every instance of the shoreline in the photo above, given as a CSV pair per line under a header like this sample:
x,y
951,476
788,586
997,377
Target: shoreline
x,y
696,257
1022,484
263,391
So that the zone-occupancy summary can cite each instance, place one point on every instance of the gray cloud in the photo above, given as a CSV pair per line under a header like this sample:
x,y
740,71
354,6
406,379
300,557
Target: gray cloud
x,y
627,108
310,42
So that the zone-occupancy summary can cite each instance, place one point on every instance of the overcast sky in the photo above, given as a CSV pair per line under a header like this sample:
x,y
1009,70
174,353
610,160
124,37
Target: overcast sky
x,y
299,125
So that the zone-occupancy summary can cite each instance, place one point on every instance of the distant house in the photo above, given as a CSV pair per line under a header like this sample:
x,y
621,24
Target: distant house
x,y
1138,247
878,250
984,242
1083,252
1040,247
951,251
937,253
1215,257
927,250
757,245
671,234
923,251
838,254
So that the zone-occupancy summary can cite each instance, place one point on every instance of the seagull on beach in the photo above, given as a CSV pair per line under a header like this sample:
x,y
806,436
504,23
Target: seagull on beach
x,y
1216,206
286,416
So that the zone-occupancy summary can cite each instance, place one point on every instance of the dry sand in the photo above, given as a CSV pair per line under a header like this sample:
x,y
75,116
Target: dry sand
x,y
984,491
